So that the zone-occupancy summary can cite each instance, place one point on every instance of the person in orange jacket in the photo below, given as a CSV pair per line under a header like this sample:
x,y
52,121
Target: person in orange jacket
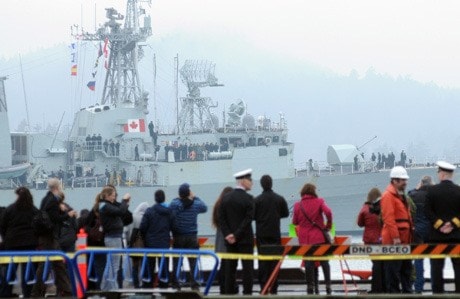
x,y
397,229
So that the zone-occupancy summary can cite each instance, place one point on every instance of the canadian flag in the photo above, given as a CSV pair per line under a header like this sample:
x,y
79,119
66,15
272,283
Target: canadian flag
x,y
134,126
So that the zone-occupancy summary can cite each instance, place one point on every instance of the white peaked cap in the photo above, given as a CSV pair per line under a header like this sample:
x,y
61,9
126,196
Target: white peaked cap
x,y
242,174
443,165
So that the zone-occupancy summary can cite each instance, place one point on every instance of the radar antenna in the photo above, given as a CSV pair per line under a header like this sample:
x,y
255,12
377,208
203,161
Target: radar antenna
x,y
195,109
122,85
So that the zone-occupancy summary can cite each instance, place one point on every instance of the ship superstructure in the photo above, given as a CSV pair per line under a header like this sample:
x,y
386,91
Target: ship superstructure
x,y
114,142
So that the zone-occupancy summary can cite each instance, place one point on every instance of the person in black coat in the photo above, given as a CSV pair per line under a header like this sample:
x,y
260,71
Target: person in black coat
x,y
93,222
111,214
443,211
269,209
422,227
17,231
68,229
156,227
50,204
236,214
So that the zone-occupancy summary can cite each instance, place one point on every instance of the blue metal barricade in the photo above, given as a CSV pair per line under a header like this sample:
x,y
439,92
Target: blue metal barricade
x,y
31,257
145,274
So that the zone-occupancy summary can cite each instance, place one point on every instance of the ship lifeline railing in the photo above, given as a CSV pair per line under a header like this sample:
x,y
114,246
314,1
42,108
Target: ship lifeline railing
x,y
144,274
10,260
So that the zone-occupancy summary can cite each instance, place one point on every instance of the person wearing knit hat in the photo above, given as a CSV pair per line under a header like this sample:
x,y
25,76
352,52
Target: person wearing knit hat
x,y
443,212
156,227
185,209
160,196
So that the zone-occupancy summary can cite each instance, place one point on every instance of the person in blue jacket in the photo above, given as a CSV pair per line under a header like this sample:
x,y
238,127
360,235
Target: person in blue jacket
x,y
185,210
156,226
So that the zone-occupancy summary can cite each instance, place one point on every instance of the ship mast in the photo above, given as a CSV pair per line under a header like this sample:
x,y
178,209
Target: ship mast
x,y
5,137
122,85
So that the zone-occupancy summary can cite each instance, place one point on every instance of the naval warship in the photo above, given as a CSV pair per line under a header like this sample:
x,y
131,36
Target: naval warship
x,y
114,142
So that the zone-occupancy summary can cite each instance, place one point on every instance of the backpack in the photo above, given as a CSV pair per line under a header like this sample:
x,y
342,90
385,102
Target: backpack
x,y
68,233
42,224
96,232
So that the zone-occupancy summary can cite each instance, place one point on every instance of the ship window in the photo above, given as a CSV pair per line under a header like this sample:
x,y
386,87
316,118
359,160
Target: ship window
x,y
19,145
236,141
81,131
261,141
276,138
283,152
252,141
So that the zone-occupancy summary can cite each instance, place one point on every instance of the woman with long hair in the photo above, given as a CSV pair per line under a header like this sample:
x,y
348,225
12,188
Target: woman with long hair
x,y
309,214
111,213
369,218
220,240
17,231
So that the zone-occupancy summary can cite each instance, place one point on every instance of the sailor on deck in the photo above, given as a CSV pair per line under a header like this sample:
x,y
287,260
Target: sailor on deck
x,y
443,211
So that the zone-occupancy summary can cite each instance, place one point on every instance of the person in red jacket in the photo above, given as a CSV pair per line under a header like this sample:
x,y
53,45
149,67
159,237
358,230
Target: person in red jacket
x,y
397,229
369,218
309,215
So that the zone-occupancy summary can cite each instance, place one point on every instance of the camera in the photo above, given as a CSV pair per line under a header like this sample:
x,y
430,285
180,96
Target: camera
x,y
374,207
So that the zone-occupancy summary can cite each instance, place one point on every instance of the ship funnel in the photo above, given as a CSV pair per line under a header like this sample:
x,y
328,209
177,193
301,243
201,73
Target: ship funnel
x,y
5,136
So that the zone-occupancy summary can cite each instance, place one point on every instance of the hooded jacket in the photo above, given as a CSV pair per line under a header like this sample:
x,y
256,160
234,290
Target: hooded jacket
x,y
421,222
16,227
156,226
371,223
396,215
185,213
315,208
137,218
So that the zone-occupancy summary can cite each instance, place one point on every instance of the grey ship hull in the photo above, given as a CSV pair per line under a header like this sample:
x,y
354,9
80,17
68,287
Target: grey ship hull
x,y
345,194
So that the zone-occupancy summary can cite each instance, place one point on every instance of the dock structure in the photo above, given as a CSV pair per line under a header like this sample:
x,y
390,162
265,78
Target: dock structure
x,y
291,280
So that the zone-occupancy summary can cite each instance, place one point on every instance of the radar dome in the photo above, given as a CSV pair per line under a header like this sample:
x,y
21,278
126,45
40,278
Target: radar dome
x,y
249,122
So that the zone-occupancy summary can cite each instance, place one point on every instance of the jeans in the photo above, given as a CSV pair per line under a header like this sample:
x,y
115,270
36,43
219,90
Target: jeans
x,y
419,278
97,272
109,280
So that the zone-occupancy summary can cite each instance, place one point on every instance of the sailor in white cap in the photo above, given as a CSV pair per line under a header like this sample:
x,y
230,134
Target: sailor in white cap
x,y
443,211
244,174
236,213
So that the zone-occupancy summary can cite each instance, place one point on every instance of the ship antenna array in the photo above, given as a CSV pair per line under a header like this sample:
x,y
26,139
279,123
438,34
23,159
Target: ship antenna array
x,y
122,85
196,74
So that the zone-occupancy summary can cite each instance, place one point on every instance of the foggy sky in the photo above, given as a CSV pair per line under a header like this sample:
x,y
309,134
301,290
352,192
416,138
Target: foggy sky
x,y
341,72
